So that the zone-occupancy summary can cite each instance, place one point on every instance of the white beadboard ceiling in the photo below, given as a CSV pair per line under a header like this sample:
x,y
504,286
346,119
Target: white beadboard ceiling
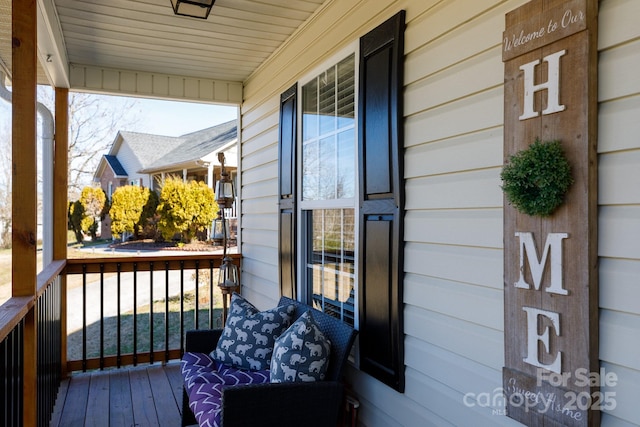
x,y
145,36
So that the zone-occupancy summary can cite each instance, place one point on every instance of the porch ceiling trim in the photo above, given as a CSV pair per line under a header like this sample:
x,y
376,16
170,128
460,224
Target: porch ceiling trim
x,y
93,79
52,52
141,48
191,164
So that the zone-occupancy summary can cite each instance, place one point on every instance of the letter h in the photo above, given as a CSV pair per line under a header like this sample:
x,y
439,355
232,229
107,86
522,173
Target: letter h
x,y
552,85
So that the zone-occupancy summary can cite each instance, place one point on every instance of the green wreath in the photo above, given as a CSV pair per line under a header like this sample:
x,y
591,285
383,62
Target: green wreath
x,y
537,178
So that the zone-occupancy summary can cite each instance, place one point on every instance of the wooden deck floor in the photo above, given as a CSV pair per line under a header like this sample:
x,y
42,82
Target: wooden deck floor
x,y
141,396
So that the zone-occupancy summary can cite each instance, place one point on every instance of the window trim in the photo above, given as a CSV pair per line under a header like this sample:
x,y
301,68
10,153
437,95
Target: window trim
x,y
380,205
304,207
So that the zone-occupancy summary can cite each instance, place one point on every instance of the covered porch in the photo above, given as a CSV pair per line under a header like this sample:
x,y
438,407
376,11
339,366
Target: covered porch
x,y
98,48
427,269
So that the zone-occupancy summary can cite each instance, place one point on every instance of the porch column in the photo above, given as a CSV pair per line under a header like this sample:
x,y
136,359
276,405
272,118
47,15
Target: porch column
x,y
210,176
60,169
24,175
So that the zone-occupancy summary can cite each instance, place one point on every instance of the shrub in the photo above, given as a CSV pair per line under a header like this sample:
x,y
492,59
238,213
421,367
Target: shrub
x,y
74,218
185,208
93,201
130,210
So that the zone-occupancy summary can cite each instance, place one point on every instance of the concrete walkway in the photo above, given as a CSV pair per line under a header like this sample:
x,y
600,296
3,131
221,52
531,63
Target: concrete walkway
x,y
109,304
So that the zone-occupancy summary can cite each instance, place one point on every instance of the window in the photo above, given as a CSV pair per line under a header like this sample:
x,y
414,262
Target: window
x,y
341,196
328,146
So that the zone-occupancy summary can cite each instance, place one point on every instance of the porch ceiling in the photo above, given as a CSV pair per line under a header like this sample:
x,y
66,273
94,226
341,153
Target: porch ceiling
x,y
144,36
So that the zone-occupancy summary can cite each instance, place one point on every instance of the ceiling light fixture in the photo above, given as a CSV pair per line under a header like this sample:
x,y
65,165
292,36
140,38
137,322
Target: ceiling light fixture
x,y
192,8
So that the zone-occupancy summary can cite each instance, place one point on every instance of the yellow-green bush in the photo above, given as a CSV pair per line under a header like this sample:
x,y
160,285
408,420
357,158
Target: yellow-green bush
x,y
93,201
185,208
131,207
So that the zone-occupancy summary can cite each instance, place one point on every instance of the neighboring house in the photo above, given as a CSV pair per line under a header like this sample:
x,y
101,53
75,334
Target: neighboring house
x,y
145,160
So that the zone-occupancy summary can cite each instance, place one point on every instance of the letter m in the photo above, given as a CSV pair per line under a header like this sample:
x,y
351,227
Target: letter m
x,y
553,245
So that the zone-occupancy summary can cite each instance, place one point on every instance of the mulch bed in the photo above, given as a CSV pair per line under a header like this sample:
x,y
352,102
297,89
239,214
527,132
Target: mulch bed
x,y
150,245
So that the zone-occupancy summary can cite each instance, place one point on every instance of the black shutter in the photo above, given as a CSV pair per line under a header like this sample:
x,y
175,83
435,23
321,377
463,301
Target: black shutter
x,y
287,192
380,140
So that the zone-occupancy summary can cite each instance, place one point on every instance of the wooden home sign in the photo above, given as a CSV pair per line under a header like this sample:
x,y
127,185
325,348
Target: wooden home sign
x,y
551,375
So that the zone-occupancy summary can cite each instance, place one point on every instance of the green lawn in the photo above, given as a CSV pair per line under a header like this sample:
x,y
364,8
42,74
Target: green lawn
x,y
74,340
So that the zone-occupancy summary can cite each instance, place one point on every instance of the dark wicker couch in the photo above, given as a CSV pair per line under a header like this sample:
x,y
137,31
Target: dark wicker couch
x,y
309,404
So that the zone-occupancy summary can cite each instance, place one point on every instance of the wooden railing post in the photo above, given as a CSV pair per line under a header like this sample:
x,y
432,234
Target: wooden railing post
x,y
60,203
60,173
24,193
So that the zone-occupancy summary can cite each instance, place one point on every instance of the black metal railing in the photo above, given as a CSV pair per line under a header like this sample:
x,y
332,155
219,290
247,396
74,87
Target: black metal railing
x,y
11,370
16,361
137,309
169,294
49,331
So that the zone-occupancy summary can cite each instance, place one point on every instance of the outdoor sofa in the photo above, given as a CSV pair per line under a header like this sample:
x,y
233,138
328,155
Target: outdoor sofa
x,y
216,394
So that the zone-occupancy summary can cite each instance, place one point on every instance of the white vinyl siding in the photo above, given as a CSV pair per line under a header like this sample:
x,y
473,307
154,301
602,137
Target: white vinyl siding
x,y
453,231
619,201
453,224
130,163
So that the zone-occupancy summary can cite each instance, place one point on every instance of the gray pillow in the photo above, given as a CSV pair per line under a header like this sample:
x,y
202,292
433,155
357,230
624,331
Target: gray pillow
x,y
301,353
249,335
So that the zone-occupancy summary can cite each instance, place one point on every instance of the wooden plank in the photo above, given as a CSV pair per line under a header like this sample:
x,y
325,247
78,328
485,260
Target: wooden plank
x,y
24,174
60,177
48,275
56,415
24,188
144,410
98,400
13,311
126,360
75,404
530,26
163,395
74,266
535,34
175,378
120,403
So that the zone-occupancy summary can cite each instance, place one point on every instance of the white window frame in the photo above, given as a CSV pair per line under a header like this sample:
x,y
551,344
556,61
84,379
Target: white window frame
x,y
306,205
